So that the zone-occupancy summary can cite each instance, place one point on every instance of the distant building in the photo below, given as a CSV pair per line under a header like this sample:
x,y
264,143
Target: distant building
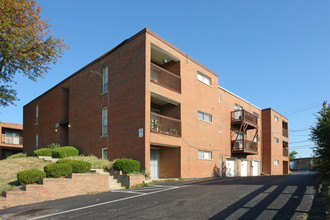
x,y
302,164
11,139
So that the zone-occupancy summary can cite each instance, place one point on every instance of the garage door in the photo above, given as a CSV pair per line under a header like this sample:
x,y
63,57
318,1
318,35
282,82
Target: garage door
x,y
244,168
230,167
255,165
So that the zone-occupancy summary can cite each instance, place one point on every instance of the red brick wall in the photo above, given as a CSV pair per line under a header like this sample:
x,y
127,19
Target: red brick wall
x,y
170,159
53,108
56,188
266,142
125,107
273,151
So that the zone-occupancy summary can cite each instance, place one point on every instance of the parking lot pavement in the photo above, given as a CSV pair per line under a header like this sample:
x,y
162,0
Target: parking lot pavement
x,y
262,197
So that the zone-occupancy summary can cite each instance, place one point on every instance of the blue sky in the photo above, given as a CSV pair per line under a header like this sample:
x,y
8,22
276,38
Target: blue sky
x,y
271,53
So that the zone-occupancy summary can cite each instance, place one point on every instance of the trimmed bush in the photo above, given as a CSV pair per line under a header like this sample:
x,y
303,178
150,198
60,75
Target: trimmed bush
x,y
63,152
43,152
127,165
77,166
54,145
57,170
30,176
96,162
19,155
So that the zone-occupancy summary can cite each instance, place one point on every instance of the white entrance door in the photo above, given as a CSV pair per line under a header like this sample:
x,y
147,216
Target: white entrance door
x,y
154,163
255,168
230,167
244,167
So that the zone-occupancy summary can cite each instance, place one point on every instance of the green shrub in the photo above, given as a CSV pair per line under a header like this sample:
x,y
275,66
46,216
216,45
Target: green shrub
x,y
30,176
19,155
77,166
96,162
57,170
54,145
63,152
43,152
127,165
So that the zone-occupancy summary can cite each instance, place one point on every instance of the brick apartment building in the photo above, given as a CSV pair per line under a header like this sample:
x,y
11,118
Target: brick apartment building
x,y
145,99
11,139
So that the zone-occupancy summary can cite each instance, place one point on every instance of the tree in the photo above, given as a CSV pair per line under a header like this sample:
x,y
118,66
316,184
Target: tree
x,y
320,134
27,45
293,154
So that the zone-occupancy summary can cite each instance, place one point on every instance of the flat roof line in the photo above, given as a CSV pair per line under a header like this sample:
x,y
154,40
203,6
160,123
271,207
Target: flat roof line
x,y
233,94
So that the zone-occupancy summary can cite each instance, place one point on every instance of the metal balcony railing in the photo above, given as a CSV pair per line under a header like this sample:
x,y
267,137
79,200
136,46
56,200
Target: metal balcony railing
x,y
285,152
165,78
238,116
165,125
244,146
285,132
5,139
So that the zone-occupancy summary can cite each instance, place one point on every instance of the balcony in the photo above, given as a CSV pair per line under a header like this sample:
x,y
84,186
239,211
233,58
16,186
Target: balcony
x,y
285,152
241,116
165,125
12,140
243,146
285,132
285,149
165,78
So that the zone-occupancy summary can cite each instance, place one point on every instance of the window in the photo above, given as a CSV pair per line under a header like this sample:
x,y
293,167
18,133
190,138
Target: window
x,y
37,141
105,80
104,122
204,155
205,79
276,140
275,118
37,114
219,98
276,162
219,128
202,116
105,153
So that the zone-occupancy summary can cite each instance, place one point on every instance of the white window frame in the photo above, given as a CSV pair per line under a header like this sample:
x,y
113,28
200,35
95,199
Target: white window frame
x,y
204,79
105,79
37,114
276,140
220,128
276,162
276,118
105,151
104,122
219,98
204,155
37,141
203,116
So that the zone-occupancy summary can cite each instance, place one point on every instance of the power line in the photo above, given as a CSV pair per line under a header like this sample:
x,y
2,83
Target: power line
x,y
300,141
303,108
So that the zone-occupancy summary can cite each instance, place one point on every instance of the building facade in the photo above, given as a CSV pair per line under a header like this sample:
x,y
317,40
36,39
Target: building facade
x,y
275,142
11,139
147,100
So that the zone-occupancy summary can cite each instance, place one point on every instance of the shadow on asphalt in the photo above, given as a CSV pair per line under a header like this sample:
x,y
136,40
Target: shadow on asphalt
x,y
292,209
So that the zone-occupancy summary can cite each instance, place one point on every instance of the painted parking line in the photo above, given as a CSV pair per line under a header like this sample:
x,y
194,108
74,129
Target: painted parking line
x,y
108,202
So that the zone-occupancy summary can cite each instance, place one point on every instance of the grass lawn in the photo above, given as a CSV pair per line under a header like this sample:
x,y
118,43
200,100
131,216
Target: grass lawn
x,y
10,167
